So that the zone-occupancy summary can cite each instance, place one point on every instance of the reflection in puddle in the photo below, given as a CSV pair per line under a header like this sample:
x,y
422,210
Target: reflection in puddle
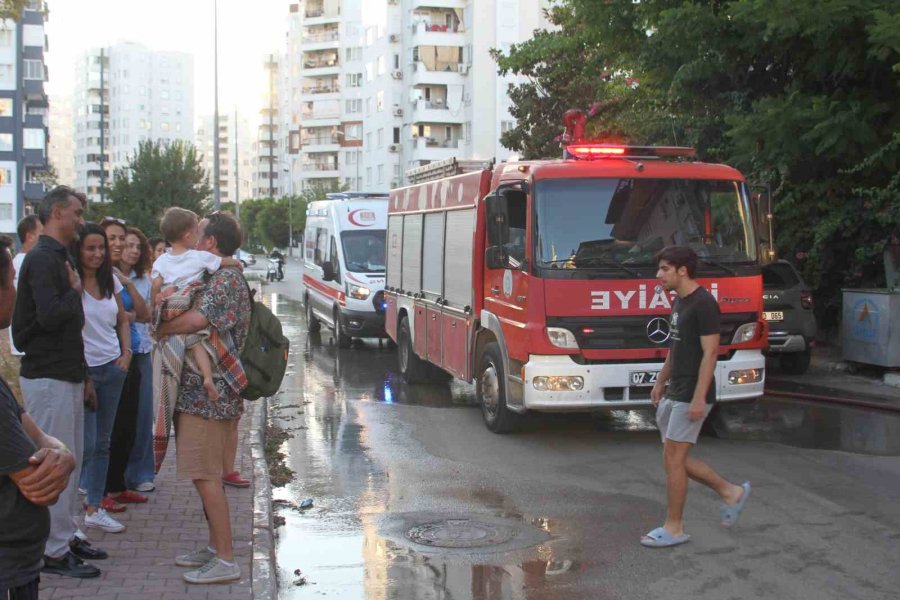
x,y
808,425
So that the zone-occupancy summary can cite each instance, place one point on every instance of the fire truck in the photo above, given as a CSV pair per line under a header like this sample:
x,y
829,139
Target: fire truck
x,y
536,280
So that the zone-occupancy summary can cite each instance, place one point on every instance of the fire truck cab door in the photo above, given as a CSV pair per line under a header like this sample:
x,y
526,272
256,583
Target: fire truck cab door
x,y
505,274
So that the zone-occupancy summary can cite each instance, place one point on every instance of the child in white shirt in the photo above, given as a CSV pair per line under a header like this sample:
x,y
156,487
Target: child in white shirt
x,y
181,266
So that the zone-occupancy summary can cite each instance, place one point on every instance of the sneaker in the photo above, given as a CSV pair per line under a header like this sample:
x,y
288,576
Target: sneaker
x,y
128,497
69,565
195,559
214,571
145,487
234,479
101,520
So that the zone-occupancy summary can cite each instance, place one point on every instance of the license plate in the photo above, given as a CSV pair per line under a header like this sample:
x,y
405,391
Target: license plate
x,y
639,378
773,316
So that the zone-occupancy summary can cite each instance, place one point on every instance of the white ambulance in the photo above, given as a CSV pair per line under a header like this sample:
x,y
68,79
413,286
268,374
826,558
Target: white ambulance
x,y
343,265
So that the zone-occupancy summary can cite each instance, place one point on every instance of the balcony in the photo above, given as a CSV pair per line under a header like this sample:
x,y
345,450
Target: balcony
x,y
319,170
444,73
434,111
34,158
320,143
35,122
434,149
324,91
321,40
425,4
317,67
34,190
318,15
34,92
432,34
321,118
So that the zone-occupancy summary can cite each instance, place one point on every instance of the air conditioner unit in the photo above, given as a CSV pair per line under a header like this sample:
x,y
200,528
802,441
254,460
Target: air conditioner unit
x,y
395,183
463,68
394,148
397,74
394,38
398,112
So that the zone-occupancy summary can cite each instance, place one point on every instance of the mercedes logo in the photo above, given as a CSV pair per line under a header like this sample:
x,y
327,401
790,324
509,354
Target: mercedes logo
x,y
658,330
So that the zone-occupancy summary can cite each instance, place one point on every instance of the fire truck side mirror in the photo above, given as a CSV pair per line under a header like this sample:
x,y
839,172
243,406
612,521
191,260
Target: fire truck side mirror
x,y
497,220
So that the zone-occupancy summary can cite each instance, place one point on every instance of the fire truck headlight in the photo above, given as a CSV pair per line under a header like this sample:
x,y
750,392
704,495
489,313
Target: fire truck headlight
x,y
558,383
357,291
745,376
745,333
562,338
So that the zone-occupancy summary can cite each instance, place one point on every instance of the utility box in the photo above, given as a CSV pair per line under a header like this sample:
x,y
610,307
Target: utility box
x,y
871,327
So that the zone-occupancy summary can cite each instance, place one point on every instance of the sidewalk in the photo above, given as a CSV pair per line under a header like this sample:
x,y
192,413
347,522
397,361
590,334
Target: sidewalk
x,y
829,375
142,558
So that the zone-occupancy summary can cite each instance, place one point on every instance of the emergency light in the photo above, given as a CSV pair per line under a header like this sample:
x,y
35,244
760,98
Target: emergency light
x,y
582,151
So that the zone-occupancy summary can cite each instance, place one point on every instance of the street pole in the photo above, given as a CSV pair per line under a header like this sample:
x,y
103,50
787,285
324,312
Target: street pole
x,y
290,173
237,170
102,130
217,198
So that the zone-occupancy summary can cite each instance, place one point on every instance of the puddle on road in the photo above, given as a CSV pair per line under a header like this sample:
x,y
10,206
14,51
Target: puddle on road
x,y
339,543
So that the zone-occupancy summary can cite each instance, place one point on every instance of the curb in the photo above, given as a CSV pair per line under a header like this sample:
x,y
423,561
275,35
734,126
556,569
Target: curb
x,y
263,579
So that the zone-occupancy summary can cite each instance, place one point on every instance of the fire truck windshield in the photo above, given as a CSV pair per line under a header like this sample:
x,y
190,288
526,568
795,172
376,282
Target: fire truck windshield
x,y
609,224
364,251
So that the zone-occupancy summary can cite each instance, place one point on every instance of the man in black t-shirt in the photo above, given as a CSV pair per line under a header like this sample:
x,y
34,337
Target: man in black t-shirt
x,y
681,409
34,470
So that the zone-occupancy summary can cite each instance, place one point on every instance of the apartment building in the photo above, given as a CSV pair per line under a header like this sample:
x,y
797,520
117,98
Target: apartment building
x,y
61,149
23,114
235,141
267,147
124,94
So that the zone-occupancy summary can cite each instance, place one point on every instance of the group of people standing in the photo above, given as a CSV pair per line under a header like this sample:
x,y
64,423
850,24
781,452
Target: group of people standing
x,y
82,325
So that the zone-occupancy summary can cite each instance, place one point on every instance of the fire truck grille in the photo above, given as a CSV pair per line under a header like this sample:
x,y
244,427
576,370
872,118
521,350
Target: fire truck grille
x,y
614,333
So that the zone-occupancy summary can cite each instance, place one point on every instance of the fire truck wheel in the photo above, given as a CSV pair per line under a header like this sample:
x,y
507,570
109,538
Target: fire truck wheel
x,y
312,323
340,338
413,368
490,391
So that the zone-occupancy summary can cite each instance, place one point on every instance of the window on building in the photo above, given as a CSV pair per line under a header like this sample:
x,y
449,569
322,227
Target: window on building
x,y
6,73
354,106
354,132
353,53
380,173
6,211
381,65
396,135
397,172
368,175
354,79
396,61
33,69
6,107
6,142
368,141
6,177
164,126
380,137
369,106
379,101
369,71
6,37
506,126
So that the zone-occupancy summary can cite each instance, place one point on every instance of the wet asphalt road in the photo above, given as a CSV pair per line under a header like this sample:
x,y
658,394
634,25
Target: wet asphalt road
x,y
569,497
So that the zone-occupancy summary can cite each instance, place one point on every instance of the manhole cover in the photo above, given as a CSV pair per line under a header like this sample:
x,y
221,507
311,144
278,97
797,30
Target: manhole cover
x,y
460,533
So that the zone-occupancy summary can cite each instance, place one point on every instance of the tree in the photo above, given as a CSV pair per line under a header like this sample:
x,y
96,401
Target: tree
x,y
159,175
12,9
800,95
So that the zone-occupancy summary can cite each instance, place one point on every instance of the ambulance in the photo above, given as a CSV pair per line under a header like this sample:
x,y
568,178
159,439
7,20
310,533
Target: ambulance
x,y
343,265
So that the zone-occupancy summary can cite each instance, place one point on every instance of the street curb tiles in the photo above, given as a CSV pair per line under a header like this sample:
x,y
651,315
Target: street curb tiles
x,y
263,578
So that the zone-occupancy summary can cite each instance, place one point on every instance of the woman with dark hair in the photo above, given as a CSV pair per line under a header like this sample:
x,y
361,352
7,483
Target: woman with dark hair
x,y
131,447
107,352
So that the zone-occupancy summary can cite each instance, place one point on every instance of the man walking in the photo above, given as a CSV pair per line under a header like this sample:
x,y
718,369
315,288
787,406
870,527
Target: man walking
x,y
681,409
34,470
203,427
47,328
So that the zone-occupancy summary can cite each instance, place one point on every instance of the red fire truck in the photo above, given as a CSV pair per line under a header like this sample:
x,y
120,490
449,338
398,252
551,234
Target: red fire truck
x,y
536,280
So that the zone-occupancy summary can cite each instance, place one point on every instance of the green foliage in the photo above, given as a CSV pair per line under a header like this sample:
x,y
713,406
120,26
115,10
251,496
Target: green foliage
x,y
158,175
799,95
12,9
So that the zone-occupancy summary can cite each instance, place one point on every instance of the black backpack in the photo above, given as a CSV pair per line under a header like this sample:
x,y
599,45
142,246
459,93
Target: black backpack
x,y
265,354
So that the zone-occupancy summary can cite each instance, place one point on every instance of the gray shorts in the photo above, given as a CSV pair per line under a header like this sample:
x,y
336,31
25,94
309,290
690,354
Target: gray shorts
x,y
674,424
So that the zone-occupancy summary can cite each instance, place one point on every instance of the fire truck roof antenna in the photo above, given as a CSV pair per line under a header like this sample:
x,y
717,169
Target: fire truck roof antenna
x,y
574,121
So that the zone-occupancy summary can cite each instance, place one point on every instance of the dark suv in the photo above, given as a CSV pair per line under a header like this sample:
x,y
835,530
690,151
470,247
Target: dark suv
x,y
788,308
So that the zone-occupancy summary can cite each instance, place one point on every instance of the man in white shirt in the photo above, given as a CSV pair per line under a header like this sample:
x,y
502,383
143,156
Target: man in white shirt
x,y
29,230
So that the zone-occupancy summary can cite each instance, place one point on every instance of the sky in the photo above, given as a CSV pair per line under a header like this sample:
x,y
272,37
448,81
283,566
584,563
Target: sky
x,y
247,31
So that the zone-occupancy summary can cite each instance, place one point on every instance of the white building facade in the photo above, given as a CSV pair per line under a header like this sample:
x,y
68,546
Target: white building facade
x,y
130,93
61,149
235,141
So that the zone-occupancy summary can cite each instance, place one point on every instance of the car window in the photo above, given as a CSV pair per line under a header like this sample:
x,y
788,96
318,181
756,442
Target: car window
x,y
779,275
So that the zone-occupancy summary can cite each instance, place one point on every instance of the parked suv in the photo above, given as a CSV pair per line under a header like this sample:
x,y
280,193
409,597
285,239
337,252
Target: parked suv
x,y
788,308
